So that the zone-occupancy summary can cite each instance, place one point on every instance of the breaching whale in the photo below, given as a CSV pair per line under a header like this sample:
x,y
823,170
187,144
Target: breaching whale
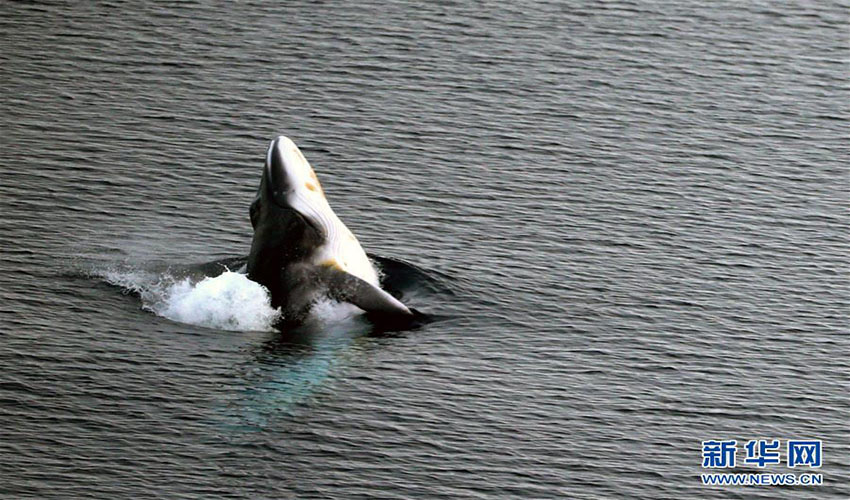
x,y
301,252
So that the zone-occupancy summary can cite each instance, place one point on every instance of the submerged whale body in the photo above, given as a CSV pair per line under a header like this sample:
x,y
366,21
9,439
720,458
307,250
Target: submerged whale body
x,y
302,253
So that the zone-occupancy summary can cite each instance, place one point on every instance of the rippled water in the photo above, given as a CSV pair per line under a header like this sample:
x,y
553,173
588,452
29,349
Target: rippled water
x,y
640,206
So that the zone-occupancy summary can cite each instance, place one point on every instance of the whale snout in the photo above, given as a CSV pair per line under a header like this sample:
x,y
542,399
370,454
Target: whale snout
x,y
278,178
289,177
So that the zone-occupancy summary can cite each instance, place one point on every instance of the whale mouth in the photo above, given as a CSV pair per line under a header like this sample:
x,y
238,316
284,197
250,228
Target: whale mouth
x,y
278,179
292,186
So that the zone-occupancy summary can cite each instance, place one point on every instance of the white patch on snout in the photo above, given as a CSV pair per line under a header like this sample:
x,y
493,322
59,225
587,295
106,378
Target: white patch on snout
x,y
341,249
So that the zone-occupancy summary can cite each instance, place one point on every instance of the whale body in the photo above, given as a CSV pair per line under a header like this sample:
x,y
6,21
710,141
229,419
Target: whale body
x,y
301,252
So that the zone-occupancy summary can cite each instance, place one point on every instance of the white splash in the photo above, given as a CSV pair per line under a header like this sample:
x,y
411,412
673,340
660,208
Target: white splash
x,y
328,311
229,301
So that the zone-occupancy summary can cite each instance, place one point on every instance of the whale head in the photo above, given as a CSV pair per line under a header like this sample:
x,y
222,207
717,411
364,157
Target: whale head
x,y
292,184
287,211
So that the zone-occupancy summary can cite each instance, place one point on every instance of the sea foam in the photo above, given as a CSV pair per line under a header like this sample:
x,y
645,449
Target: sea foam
x,y
229,301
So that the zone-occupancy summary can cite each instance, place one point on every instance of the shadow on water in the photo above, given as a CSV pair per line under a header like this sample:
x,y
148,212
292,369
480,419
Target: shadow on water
x,y
286,372
283,374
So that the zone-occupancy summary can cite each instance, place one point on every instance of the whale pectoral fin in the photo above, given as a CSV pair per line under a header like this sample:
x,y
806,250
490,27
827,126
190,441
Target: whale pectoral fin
x,y
346,287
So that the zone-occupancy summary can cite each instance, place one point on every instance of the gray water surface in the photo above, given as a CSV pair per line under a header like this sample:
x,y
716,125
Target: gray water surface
x,y
641,208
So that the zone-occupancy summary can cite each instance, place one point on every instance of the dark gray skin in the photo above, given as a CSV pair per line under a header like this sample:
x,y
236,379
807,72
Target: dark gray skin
x,y
284,240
